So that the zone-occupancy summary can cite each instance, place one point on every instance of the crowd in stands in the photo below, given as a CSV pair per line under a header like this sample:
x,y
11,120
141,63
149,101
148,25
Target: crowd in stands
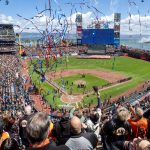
x,y
12,96
7,48
125,126
136,53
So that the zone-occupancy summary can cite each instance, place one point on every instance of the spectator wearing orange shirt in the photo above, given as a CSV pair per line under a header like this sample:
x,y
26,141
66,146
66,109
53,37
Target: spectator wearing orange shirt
x,y
3,135
139,124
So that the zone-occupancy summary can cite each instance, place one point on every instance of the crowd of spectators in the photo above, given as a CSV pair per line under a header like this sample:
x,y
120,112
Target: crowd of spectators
x,y
136,53
12,96
123,127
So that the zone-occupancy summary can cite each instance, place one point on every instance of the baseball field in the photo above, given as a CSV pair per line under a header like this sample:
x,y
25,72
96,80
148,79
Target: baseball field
x,y
77,77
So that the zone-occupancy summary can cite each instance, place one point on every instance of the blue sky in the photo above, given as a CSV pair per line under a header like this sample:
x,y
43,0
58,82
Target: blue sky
x,y
27,8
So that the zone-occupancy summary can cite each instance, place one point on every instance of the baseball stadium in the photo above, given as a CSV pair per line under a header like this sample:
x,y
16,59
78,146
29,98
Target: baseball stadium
x,y
68,81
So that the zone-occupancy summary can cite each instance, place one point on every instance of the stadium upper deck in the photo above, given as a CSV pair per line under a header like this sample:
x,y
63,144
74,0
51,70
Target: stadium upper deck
x,y
7,38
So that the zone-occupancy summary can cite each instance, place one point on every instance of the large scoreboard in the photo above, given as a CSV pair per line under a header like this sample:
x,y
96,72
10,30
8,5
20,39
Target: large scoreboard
x,y
98,36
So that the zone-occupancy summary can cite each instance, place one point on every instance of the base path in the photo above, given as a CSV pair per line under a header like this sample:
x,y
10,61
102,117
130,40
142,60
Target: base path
x,y
78,98
138,88
106,75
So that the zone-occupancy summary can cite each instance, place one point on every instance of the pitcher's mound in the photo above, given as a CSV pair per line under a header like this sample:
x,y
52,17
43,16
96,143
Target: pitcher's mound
x,y
80,82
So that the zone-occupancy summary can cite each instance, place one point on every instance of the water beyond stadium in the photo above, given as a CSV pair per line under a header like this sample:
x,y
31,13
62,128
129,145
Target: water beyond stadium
x,y
134,41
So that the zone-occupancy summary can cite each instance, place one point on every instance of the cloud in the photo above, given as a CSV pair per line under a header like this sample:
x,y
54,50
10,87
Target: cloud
x,y
135,26
40,22
6,19
144,40
88,17
16,22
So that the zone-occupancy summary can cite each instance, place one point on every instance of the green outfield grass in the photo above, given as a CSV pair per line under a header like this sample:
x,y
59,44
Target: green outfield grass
x,y
46,91
139,70
89,79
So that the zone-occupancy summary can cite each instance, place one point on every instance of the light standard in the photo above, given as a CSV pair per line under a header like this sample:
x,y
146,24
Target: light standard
x,y
19,39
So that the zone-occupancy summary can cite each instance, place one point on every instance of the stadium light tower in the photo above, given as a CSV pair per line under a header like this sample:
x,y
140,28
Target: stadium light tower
x,y
79,28
117,19
19,39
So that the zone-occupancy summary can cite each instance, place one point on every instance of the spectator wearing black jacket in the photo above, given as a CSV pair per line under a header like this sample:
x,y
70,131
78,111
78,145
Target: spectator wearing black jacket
x,y
117,131
10,144
147,114
23,124
62,130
